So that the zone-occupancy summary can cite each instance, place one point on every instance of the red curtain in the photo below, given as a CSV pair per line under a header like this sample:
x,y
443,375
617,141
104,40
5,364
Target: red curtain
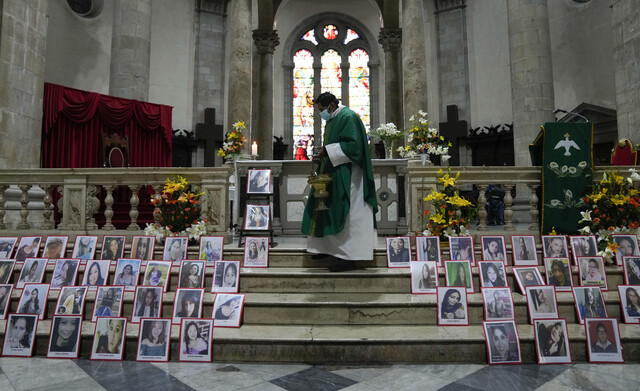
x,y
74,120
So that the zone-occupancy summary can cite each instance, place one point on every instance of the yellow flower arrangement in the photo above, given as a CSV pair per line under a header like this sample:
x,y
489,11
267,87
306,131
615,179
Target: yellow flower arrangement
x,y
232,147
422,138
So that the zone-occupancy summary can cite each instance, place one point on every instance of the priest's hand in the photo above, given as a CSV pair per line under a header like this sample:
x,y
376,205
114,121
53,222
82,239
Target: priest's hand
x,y
319,153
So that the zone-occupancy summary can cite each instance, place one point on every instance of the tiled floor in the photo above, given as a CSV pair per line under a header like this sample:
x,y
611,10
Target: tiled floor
x,y
44,374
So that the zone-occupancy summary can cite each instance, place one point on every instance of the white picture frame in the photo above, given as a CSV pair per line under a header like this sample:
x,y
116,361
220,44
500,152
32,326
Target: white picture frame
x,y
498,304
552,341
19,335
227,309
589,302
109,339
428,249
259,181
71,301
33,300
256,251
226,277
527,276
108,302
175,249
147,303
257,217
591,272
195,344
630,302
523,249
211,248
32,271
542,302
424,277
64,340
154,340
458,273
453,309
558,272
493,248
503,342
84,247
28,247
603,340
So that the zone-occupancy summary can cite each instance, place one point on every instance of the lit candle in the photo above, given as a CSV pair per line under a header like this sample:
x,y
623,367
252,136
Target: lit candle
x,y
254,149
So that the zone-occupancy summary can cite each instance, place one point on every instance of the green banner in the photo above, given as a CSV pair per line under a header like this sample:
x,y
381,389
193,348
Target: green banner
x,y
566,150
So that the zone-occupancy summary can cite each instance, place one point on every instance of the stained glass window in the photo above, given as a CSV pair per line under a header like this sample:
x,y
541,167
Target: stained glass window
x,y
310,36
330,32
351,35
359,89
331,76
302,96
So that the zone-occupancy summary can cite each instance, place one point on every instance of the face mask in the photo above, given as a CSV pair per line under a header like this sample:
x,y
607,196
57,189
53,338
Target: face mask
x,y
325,115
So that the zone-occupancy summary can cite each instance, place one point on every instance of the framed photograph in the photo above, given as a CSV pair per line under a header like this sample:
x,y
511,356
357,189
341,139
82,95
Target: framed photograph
x,y
589,302
71,300
591,271
503,343
627,246
424,277
428,249
108,302
603,340
461,248
5,298
498,304
33,299
256,251
555,246
629,300
524,251
583,246
143,247
154,340
258,181
157,273
227,310
541,301
492,274
191,274
398,251
65,272
28,247
96,273
64,340
211,248
85,247
257,217
147,303
458,273
493,248
558,271
527,276
226,277
195,340
32,271
452,306
6,270
552,341
108,339
19,335
175,249
127,272
187,304
55,247
631,270
7,243
112,248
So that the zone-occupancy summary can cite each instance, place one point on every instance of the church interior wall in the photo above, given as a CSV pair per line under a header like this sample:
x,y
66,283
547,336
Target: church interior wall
x,y
431,61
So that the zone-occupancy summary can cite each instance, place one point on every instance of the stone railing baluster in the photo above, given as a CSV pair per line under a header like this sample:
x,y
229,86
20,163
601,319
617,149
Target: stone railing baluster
x,y
157,194
108,210
24,210
48,207
533,201
93,204
482,211
3,200
133,213
508,208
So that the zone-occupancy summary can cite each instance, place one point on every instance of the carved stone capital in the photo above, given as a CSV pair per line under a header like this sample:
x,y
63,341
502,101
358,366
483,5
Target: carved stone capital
x,y
449,5
390,39
266,41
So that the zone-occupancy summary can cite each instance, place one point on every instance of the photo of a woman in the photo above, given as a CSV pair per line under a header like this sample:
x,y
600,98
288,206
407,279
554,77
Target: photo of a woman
x,y
32,305
461,248
227,310
5,297
555,246
188,304
6,270
211,248
153,276
191,275
28,248
632,270
230,273
154,340
84,247
127,272
108,340
590,303
492,274
19,335
147,303
32,271
255,251
192,340
553,344
424,276
632,308
458,273
503,342
93,274
112,248
64,273
175,249
142,247
107,302
64,334
451,307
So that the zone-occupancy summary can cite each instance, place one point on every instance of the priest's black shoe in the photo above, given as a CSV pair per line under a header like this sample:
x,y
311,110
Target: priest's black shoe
x,y
343,266
321,257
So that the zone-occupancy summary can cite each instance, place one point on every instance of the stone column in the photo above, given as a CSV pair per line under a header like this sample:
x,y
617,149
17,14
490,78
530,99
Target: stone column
x,y
413,58
131,49
23,41
626,53
239,95
391,41
531,72
266,42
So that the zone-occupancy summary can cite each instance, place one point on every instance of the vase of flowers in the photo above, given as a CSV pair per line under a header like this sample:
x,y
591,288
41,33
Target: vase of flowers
x,y
387,133
234,142
423,139
177,211
612,207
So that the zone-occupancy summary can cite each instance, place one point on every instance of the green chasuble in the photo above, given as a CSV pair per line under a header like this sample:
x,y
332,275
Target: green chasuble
x,y
347,129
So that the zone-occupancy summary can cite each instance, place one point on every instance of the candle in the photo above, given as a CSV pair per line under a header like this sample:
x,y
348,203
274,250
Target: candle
x,y
254,149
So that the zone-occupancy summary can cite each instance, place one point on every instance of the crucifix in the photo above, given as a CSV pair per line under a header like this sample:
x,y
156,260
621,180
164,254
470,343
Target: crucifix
x,y
453,130
212,136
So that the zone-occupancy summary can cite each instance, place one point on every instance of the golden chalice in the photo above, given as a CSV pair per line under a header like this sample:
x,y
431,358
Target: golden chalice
x,y
319,183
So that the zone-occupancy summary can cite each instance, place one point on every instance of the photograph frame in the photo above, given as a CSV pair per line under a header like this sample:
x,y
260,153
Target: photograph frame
x,y
66,300
130,281
258,258
211,248
186,279
400,256
580,298
509,330
107,250
583,246
103,265
543,337
54,332
506,298
7,266
116,299
187,294
139,299
563,265
534,303
84,247
143,247
257,217
259,181
222,299
495,267
58,280
523,250
488,254
5,299
462,248
43,294
520,272
162,280
452,280
631,268
25,276
452,317
629,242
102,330
145,331
28,248
207,324
52,243
555,246
585,268
421,285
629,317
175,255
428,249
7,245
31,322
220,269
612,329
